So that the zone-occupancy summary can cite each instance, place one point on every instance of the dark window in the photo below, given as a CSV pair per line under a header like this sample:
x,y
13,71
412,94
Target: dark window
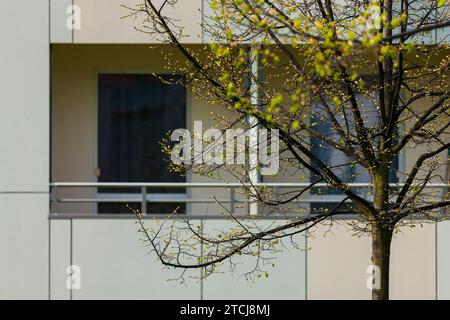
x,y
135,112
342,165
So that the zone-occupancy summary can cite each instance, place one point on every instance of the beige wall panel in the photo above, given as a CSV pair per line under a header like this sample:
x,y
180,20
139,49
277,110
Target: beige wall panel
x,y
337,264
286,280
443,260
206,113
101,21
413,271
413,151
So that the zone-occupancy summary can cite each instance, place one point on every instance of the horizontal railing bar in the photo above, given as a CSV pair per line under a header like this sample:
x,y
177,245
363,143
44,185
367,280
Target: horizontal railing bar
x,y
138,195
196,216
190,216
219,185
111,200
136,200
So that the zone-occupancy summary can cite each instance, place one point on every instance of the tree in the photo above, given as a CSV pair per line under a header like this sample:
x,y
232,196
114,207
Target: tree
x,y
357,78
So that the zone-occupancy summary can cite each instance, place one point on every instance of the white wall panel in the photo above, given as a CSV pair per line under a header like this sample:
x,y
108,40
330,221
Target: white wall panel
x,y
59,32
23,246
115,264
24,95
286,279
24,149
59,259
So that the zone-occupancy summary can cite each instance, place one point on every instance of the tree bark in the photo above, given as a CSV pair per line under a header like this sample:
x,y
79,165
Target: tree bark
x,y
381,251
382,231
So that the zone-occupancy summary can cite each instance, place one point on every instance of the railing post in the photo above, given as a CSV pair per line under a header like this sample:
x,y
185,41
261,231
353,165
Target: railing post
x,y
232,201
144,200
254,174
275,193
54,200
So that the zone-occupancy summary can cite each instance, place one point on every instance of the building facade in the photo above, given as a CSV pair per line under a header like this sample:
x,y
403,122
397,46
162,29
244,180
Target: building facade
x,y
58,134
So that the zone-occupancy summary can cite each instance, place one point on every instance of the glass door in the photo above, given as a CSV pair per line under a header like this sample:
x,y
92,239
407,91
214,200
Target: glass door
x,y
135,112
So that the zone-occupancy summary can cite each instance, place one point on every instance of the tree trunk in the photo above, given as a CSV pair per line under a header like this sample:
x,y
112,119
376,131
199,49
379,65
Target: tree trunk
x,y
381,251
381,233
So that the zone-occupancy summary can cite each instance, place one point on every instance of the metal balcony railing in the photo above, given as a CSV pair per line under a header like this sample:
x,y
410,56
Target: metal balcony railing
x,y
145,196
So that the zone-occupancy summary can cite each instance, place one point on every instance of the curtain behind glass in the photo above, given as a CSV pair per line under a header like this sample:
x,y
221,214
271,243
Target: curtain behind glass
x,y
135,112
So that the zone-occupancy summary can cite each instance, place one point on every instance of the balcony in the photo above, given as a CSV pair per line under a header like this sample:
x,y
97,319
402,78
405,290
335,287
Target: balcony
x,y
86,185
108,116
